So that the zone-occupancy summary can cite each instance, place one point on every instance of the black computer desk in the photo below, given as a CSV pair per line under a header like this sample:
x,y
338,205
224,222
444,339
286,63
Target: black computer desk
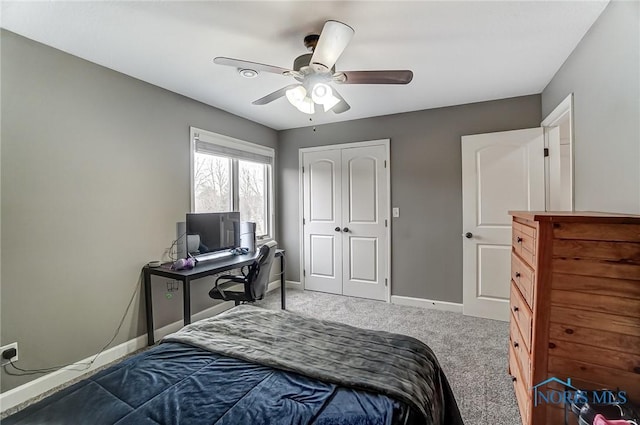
x,y
202,269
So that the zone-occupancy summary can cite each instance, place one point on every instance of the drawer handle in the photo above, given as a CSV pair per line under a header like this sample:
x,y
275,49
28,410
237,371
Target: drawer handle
x,y
517,274
569,331
516,345
515,309
519,239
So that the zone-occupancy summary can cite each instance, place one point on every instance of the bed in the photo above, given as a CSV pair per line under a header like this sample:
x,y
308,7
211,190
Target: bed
x,y
251,365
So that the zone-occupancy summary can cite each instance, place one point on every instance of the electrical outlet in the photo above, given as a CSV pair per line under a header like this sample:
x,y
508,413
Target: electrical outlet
x,y
4,361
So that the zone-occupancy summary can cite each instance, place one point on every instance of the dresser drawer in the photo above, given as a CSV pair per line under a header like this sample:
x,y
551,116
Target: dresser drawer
x,y
524,242
522,314
521,353
520,388
524,277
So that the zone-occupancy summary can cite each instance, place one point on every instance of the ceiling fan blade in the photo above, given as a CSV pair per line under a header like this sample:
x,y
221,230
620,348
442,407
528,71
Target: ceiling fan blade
x,y
334,38
341,107
250,65
273,96
374,77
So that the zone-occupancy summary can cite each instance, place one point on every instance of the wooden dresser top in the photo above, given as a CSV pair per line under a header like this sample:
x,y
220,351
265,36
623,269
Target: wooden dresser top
x,y
577,216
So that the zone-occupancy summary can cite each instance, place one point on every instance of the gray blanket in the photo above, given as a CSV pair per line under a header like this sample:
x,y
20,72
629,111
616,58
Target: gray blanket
x,y
395,365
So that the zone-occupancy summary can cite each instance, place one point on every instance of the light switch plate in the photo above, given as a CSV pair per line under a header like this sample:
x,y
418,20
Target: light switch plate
x,y
396,212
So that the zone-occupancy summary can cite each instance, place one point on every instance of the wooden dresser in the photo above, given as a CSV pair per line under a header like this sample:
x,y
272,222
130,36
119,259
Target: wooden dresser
x,y
575,306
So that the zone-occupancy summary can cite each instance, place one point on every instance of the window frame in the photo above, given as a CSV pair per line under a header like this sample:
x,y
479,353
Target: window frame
x,y
220,140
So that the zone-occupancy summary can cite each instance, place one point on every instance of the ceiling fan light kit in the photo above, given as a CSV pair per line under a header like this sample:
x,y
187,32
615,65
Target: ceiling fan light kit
x,y
315,71
297,96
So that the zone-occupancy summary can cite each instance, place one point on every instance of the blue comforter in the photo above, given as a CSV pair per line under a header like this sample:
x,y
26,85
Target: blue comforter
x,y
175,383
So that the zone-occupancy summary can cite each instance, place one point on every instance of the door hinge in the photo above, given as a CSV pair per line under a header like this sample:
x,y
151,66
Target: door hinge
x,y
302,170
304,221
386,282
385,222
546,152
385,163
304,272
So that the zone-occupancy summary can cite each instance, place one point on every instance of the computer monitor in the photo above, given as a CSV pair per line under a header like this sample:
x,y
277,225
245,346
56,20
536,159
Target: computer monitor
x,y
209,233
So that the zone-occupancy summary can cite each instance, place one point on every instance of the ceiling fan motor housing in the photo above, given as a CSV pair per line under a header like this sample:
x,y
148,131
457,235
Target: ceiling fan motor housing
x,y
305,60
311,41
302,60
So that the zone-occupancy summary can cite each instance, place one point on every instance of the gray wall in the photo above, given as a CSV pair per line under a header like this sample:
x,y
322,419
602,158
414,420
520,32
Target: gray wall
x,y
95,173
603,72
426,184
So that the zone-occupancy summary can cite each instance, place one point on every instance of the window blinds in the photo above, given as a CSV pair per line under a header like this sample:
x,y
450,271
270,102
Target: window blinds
x,y
226,151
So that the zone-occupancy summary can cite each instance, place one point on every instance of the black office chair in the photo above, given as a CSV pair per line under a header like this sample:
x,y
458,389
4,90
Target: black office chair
x,y
254,280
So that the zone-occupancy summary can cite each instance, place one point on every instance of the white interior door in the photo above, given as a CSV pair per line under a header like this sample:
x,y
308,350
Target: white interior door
x,y
345,217
555,169
364,211
323,221
560,195
500,172
558,127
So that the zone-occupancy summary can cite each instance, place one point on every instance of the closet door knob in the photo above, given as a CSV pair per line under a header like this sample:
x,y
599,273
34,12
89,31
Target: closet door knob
x,y
346,230
519,239
337,229
517,274
468,235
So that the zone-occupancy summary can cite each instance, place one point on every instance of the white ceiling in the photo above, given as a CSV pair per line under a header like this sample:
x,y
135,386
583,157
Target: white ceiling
x,y
460,52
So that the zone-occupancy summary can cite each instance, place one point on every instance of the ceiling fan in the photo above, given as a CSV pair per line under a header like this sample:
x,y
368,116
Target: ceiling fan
x,y
314,71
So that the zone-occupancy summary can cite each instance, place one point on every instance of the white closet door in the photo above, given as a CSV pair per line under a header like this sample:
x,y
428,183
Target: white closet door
x,y
323,221
345,218
364,211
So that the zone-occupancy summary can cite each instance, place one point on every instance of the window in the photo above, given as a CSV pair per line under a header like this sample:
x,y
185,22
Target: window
x,y
232,175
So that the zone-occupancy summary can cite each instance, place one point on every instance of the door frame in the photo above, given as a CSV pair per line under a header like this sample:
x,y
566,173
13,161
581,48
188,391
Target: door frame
x,y
561,112
387,145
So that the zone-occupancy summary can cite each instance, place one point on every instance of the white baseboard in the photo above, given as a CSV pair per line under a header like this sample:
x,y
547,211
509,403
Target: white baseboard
x,y
293,284
422,302
45,383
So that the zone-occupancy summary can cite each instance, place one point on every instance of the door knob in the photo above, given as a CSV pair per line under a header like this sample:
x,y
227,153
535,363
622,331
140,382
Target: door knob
x,y
337,229
468,235
346,229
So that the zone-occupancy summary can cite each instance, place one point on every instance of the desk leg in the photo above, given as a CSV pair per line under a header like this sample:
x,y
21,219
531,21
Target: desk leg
x,y
148,305
186,286
283,296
